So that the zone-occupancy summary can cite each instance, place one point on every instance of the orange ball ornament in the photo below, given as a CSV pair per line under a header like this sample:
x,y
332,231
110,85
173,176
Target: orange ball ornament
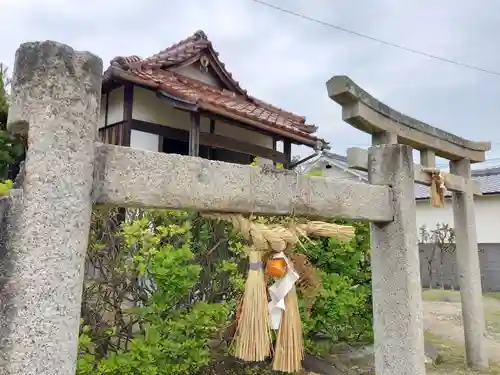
x,y
276,268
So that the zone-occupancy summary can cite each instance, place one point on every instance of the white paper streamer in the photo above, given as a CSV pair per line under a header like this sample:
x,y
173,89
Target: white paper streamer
x,y
278,292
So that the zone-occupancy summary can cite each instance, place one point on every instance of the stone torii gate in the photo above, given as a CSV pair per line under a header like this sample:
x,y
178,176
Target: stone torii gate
x,y
388,126
45,226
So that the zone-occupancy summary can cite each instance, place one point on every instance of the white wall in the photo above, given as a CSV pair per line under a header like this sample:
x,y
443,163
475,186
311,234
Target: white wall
x,y
148,107
144,141
486,208
487,212
115,105
235,132
194,71
102,113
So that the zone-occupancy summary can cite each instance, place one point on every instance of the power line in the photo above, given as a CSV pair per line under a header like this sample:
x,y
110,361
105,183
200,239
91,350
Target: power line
x,y
374,39
391,44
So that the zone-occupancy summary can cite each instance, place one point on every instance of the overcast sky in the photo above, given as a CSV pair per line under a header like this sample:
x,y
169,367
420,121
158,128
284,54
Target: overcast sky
x,y
286,60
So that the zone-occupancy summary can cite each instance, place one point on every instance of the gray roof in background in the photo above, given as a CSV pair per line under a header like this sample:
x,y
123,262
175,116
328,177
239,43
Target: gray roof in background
x,y
488,178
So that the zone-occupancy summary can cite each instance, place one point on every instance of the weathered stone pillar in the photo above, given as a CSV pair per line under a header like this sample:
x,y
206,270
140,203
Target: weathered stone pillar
x,y
397,295
56,94
469,273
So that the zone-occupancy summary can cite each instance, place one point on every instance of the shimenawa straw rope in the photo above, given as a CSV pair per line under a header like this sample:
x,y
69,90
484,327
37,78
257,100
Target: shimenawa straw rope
x,y
253,339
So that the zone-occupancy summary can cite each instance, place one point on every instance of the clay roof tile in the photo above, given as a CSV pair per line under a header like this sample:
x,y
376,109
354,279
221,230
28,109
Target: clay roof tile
x,y
156,70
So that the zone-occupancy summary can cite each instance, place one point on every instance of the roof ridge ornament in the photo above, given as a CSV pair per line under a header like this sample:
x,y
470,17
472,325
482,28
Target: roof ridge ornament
x,y
200,34
204,63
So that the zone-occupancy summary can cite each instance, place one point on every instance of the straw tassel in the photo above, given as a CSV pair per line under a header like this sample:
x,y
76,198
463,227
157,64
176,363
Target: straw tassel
x,y
285,316
253,336
438,187
289,351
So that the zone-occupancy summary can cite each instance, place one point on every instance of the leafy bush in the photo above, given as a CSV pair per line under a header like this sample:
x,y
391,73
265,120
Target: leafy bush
x,y
4,106
11,148
153,328
163,285
342,310
5,187
11,151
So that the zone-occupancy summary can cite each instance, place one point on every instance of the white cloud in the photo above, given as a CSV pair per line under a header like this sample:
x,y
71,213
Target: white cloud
x,y
287,60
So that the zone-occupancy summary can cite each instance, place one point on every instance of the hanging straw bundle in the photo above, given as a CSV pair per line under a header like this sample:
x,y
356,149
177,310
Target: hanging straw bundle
x,y
252,339
289,351
438,187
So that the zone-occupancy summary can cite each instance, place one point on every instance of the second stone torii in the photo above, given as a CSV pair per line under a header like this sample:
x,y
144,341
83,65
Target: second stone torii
x,y
388,126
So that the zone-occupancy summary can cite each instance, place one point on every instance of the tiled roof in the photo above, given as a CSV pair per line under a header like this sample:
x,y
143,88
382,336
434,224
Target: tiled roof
x,y
489,178
156,72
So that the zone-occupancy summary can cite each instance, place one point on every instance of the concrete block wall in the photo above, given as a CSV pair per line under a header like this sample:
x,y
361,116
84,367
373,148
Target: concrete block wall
x,y
446,276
